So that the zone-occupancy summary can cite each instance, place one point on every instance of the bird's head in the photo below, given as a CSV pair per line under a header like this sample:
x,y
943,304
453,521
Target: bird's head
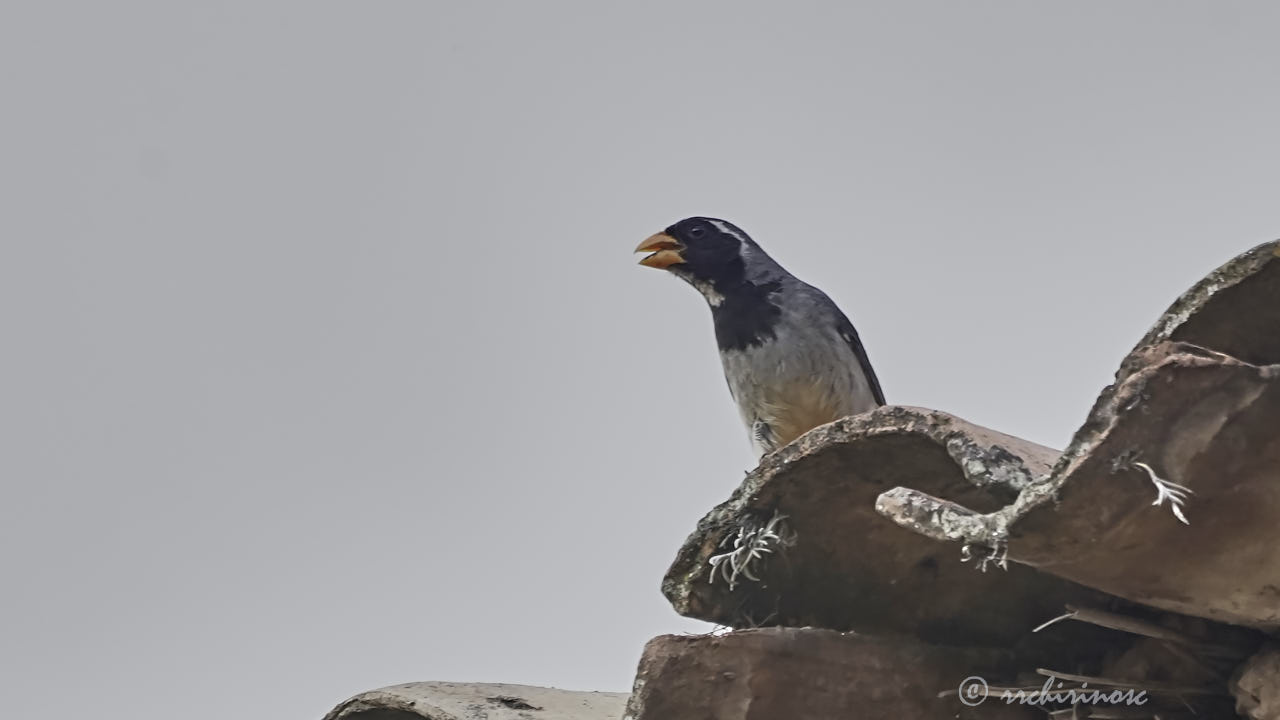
x,y
713,255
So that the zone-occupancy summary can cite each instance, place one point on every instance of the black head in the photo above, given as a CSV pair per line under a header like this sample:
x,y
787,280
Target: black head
x,y
738,280
703,251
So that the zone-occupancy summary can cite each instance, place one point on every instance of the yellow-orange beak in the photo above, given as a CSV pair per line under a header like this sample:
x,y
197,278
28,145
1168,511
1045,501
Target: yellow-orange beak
x,y
666,251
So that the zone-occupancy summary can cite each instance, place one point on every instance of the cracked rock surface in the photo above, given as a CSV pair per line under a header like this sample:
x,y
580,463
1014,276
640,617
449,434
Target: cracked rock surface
x,y
851,569
1256,685
478,701
796,673
1198,403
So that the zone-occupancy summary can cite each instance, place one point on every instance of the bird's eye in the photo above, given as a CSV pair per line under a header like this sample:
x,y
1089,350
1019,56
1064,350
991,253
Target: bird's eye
x,y
697,231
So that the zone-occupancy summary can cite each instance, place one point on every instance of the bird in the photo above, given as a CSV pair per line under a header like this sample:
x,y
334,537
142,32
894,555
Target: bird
x,y
792,359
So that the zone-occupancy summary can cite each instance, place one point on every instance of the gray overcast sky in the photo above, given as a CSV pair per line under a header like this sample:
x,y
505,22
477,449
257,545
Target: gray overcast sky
x,y
326,364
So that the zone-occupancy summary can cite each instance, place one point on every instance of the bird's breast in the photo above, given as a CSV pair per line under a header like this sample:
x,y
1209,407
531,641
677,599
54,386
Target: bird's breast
x,y
793,387
792,409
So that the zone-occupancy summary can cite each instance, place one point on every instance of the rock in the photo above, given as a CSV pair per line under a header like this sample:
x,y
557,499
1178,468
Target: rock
x,y
848,568
1210,425
1256,686
1235,310
1196,404
475,701
811,674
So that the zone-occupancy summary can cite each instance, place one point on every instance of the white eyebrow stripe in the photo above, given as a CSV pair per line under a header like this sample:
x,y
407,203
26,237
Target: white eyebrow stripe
x,y
727,230
744,246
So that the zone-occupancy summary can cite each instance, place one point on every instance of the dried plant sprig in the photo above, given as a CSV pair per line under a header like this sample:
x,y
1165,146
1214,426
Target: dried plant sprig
x,y
751,544
1165,490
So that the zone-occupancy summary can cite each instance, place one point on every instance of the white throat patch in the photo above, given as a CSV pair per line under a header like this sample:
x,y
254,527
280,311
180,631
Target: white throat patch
x,y
713,298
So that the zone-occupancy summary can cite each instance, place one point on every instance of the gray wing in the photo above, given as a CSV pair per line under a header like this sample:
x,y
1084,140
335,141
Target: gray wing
x,y
848,333
850,336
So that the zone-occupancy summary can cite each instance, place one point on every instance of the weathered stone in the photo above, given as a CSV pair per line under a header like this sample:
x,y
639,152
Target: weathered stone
x,y
1256,686
850,569
1211,425
1197,403
472,701
1234,310
812,674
